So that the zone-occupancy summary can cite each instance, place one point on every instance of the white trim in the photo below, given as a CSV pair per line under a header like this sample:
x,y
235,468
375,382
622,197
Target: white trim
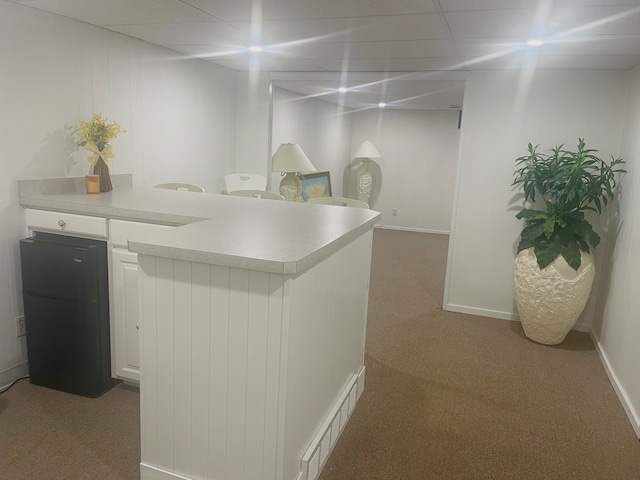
x,y
482,312
409,229
318,452
11,374
147,472
582,326
514,317
454,214
634,417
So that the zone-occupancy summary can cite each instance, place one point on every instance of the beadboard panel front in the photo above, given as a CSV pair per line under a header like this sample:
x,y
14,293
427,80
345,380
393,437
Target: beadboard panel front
x,y
325,343
242,368
211,369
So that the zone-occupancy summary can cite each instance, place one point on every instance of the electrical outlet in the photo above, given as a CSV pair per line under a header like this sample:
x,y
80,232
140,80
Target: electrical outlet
x,y
394,212
20,327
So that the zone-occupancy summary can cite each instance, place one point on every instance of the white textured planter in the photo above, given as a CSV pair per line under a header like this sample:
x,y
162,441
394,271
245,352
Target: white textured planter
x,y
551,300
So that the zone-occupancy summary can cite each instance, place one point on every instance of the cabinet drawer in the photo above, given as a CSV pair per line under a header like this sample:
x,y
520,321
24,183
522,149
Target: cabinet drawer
x,y
66,222
121,230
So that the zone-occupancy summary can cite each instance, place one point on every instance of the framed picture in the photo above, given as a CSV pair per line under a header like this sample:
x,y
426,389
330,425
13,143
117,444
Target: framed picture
x,y
316,184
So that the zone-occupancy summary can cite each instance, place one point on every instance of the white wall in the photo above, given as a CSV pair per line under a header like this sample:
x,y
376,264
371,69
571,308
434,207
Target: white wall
x,y
419,155
616,327
503,111
418,166
180,115
322,130
253,118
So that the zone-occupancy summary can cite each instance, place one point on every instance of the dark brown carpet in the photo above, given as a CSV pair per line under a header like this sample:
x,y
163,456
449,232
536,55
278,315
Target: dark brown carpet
x,y
448,396
50,435
451,396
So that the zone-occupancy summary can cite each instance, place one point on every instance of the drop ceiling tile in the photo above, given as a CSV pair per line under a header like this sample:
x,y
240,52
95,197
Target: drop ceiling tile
x,y
616,20
334,78
233,10
596,44
497,63
587,62
399,27
491,23
561,62
570,45
480,47
122,12
387,65
398,86
419,88
185,34
460,5
405,48
274,65
371,88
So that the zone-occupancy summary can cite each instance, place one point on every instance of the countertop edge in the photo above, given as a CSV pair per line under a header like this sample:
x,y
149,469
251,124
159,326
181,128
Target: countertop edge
x,y
83,205
107,212
278,267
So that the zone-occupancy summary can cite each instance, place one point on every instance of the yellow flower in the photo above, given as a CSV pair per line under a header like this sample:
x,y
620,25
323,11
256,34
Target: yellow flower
x,y
98,131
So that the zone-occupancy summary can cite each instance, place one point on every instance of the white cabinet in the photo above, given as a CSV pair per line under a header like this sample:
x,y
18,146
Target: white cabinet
x,y
65,223
124,293
249,374
125,315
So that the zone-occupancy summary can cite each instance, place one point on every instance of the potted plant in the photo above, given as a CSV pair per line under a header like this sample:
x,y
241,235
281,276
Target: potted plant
x,y
95,135
554,268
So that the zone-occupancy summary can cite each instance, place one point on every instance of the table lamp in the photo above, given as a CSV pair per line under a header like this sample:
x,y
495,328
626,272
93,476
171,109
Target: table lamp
x,y
291,161
366,151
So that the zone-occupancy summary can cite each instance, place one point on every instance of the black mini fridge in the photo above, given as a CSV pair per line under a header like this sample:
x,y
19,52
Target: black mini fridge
x,y
66,310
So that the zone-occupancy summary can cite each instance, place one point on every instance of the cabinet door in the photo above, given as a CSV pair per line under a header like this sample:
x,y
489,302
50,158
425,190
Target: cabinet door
x,y
125,315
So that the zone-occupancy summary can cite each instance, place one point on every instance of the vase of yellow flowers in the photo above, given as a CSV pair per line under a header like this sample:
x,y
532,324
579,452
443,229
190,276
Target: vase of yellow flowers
x,y
95,136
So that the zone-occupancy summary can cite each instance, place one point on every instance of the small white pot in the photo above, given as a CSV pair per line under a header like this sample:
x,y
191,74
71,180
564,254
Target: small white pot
x,y
550,300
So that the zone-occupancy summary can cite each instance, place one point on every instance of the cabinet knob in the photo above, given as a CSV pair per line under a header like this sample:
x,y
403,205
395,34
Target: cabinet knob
x,y
61,223
137,325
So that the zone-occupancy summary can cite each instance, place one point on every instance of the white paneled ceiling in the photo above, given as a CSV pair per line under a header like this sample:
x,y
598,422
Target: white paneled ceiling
x,y
371,46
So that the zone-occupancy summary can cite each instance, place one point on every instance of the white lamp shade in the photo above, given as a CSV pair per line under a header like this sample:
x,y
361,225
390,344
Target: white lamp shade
x,y
367,150
289,157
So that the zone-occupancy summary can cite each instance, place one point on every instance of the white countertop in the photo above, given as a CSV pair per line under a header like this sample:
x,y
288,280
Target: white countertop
x,y
256,234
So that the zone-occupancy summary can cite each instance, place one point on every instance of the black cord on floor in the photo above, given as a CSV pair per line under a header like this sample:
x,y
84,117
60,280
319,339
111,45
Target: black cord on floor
x,y
14,382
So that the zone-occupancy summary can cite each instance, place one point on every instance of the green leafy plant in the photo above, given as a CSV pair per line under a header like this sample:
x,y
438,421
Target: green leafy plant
x,y
569,183
98,131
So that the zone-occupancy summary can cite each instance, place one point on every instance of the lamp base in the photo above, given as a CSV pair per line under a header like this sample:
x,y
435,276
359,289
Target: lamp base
x,y
365,181
290,187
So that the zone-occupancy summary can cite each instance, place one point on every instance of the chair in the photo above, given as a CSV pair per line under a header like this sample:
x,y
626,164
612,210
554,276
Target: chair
x,y
257,194
341,201
244,181
180,186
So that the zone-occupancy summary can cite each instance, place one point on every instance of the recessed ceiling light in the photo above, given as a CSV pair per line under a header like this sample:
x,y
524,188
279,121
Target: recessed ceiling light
x,y
382,104
535,42
343,89
255,48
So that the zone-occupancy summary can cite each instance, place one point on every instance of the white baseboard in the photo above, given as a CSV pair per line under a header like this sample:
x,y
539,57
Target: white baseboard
x,y
147,472
634,417
514,317
481,312
409,229
10,375
325,440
